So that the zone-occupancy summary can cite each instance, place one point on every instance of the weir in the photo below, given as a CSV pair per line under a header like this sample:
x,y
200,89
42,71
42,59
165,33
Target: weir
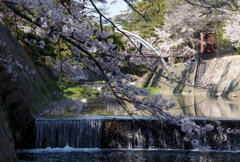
x,y
125,133
61,132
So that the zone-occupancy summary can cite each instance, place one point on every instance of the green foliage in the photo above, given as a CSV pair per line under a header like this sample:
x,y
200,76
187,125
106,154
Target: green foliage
x,y
116,38
238,50
131,49
80,90
100,81
54,48
153,90
154,12
68,2
62,51
68,81
134,70
220,40
62,87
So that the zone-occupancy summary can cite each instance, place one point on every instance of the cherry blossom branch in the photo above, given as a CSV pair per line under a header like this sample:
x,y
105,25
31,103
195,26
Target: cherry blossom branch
x,y
172,80
103,73
217,4
99,12
134,9
69,11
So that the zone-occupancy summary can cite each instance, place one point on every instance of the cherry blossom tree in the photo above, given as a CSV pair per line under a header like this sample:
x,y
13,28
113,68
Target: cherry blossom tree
x,y
232,27
217,4
183,25
55,20
185,20
230,11
87,39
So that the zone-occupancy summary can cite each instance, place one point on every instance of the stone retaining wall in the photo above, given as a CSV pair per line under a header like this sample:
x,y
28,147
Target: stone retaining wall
x,y
217,76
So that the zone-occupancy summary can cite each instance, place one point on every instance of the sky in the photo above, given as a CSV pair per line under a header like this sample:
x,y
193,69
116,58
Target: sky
x,y
116,8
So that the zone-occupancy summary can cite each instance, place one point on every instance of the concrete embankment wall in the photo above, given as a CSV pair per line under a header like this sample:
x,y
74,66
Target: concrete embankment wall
x,y
223,74
217,76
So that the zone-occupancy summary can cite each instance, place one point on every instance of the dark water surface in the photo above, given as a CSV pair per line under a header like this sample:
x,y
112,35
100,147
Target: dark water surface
x,y
98,155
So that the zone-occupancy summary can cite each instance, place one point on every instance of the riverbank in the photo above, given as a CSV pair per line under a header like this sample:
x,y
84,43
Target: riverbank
x,y
217,77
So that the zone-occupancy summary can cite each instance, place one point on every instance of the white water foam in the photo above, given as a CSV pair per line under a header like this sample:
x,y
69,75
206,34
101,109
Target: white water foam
x,y
67,148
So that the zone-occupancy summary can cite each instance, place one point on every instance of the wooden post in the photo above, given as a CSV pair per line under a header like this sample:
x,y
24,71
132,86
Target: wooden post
x,y
202,48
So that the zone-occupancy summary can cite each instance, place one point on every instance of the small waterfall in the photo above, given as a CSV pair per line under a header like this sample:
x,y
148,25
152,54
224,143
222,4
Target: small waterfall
x,y
126,134
61,132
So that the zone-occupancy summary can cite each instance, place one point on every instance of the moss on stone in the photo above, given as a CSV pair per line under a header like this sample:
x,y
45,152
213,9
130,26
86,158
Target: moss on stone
x,y
81,90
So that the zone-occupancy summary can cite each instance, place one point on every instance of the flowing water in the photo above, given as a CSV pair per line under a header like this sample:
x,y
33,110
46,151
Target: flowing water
x,y
122,132
75,133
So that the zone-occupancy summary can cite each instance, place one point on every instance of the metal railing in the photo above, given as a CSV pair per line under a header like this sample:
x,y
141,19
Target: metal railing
x,y
144,43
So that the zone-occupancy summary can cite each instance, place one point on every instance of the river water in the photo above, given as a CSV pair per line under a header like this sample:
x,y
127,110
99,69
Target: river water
x,y
189,105
105,155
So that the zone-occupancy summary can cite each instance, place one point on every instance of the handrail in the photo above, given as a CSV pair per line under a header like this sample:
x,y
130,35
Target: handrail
x,y
145,43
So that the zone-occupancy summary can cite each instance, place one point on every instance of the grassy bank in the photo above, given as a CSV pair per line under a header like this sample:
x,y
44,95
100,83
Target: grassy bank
x,y
78,92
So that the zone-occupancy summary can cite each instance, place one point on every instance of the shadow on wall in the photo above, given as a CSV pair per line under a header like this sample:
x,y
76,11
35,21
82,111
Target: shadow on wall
x,y
149,78
228,89
185,76
200,71
231,88
157,78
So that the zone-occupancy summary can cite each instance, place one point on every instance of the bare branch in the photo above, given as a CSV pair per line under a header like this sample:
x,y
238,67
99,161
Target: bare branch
x,y
134,9
99,12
